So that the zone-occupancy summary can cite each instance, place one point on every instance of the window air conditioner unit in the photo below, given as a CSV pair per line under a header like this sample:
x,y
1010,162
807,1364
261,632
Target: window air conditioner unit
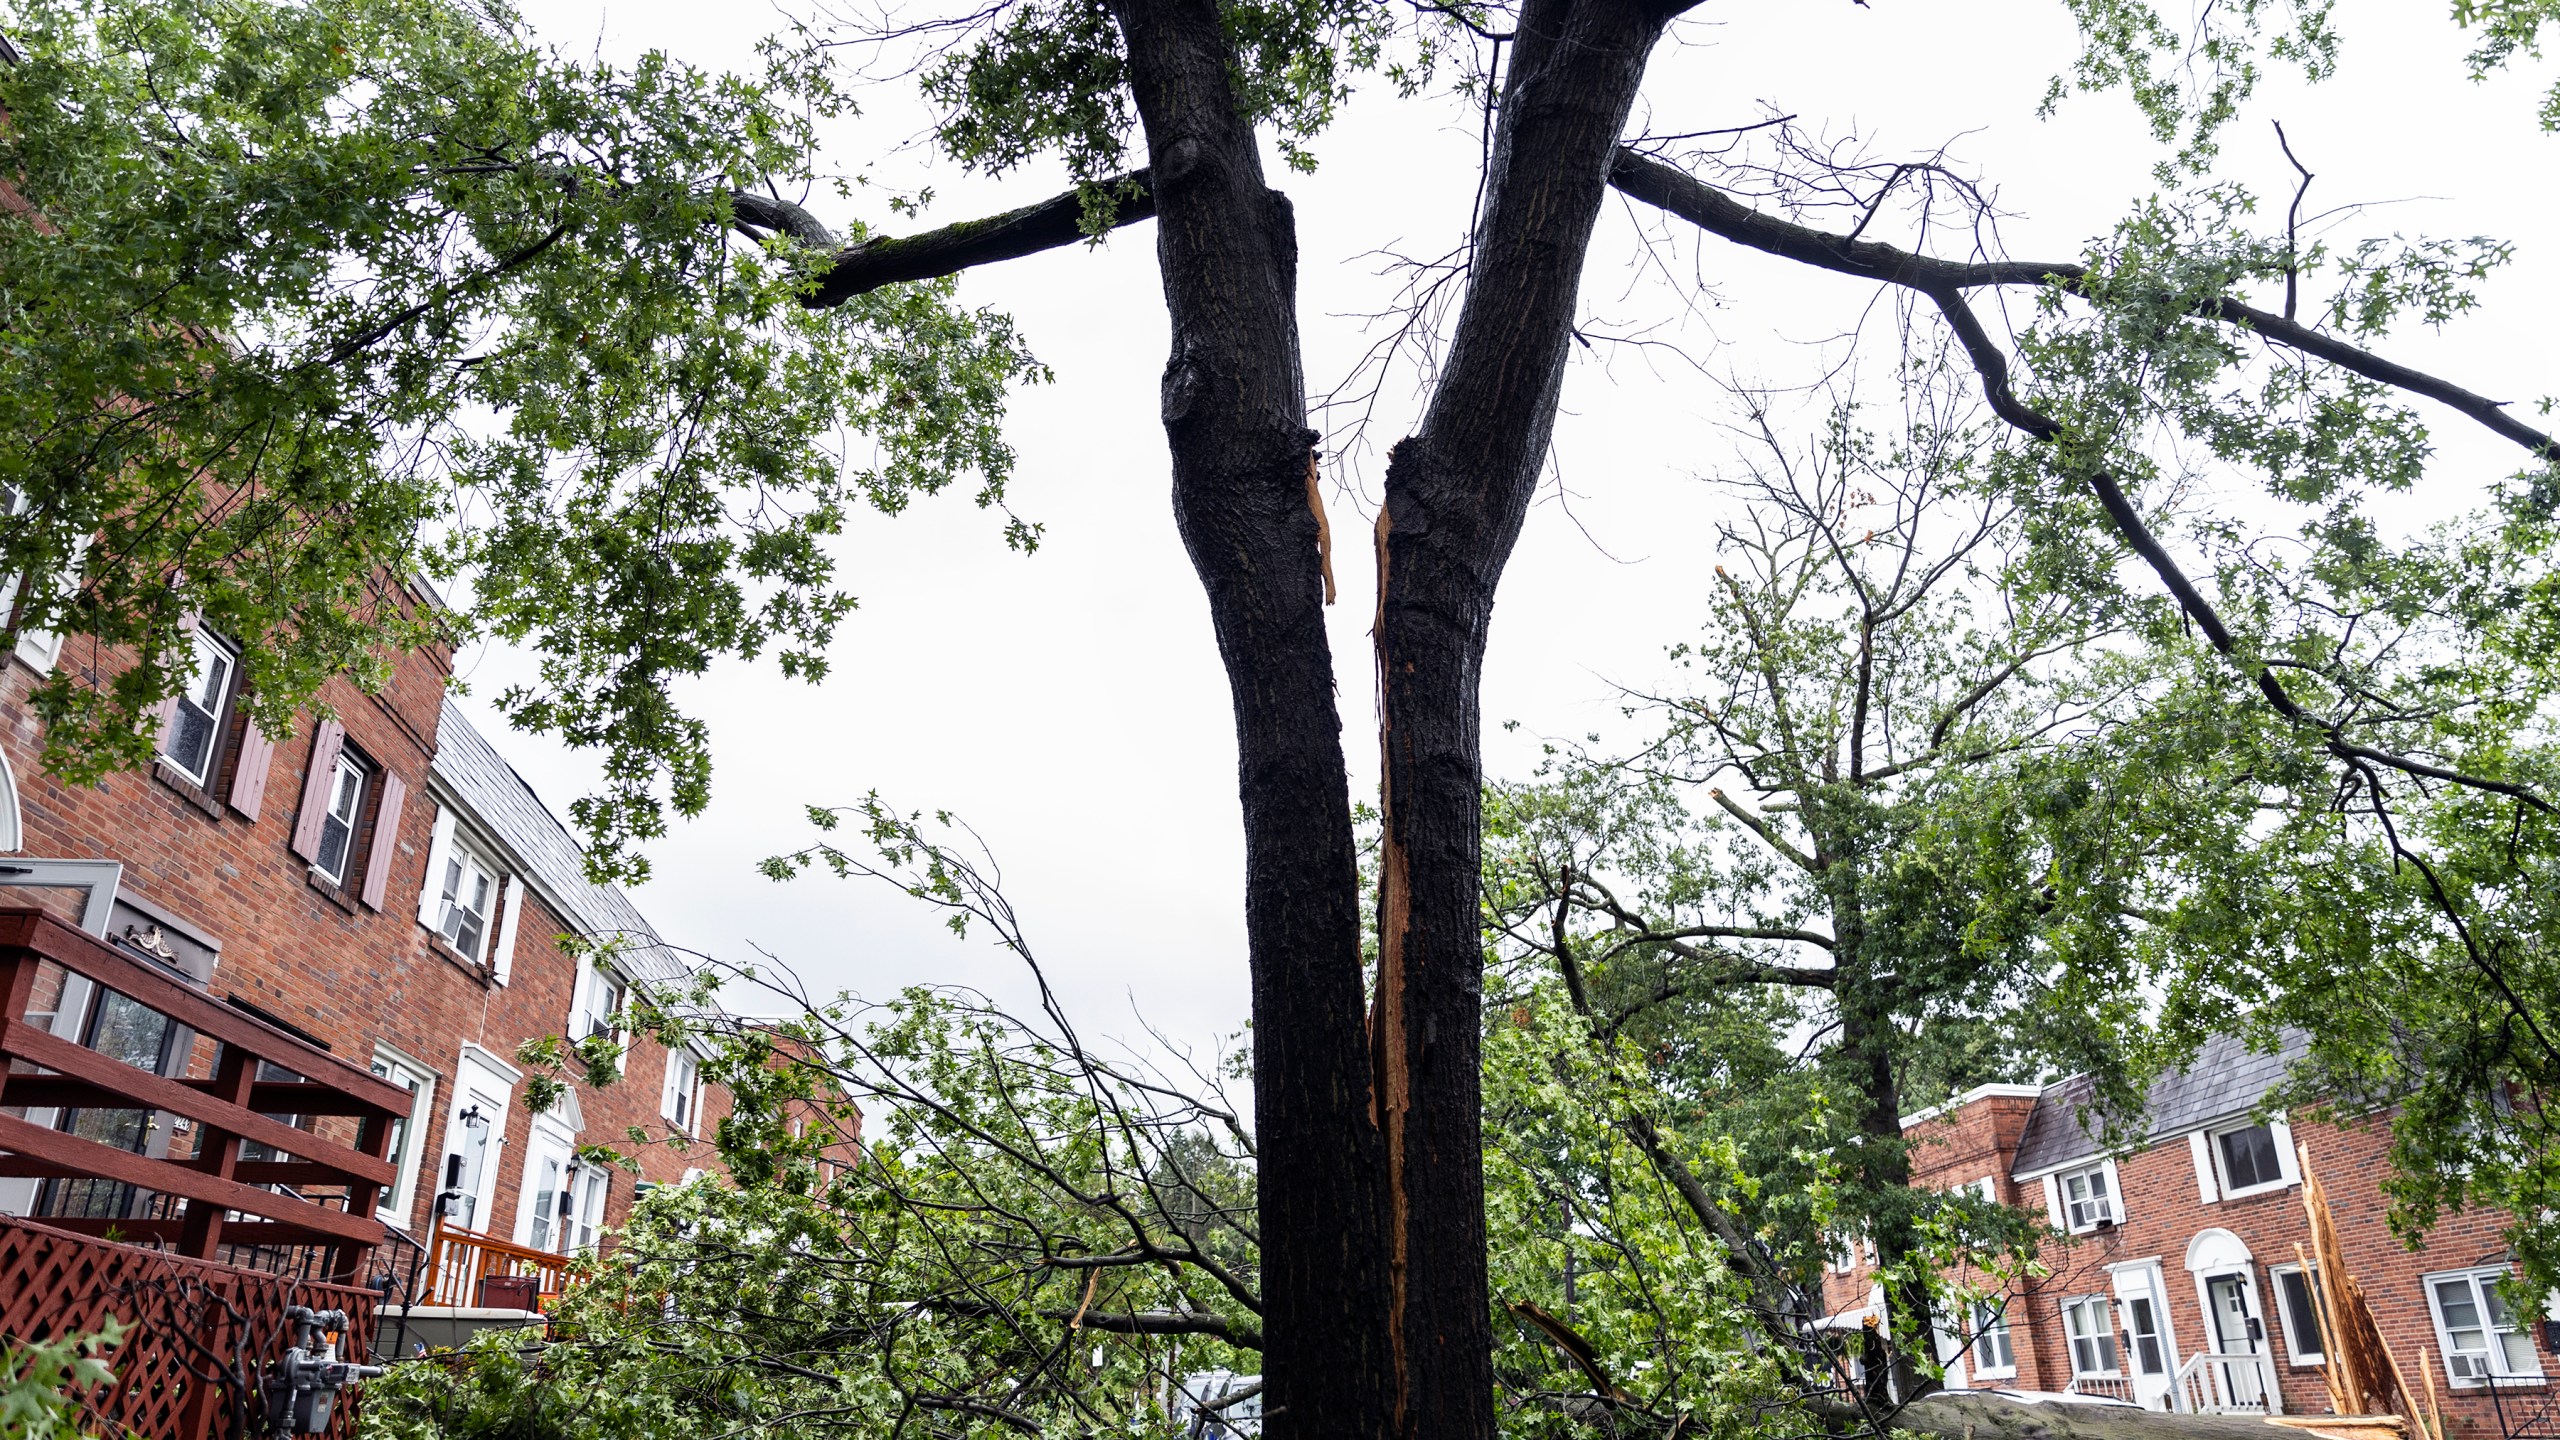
x,y
2459,1365
2090,1214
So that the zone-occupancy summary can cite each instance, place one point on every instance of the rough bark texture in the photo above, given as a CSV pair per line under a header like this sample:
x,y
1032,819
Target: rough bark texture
x,y
1457,492
1235,413
1988,1417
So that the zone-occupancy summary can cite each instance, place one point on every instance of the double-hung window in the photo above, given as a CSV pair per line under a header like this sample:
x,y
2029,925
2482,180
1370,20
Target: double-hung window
x,y
2253,1159
682,1101
2484,1341
2088,1200
603,1011
194,735
2298,1305
2089,1321
1993,1353
468,893
338,821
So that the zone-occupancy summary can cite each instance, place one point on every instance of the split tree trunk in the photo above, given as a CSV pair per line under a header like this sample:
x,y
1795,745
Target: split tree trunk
x,y
1377,1317
1457,493
1234,400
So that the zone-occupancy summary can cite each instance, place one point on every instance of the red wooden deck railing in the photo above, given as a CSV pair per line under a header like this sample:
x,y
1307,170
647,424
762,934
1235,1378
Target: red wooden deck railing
x,y
200,1333
224,1200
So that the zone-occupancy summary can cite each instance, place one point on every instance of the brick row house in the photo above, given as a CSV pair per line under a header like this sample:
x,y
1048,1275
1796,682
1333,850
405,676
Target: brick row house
x,y
2183,1274
382,885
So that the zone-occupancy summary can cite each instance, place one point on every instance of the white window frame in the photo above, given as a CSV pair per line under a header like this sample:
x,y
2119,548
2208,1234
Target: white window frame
x,y
581,1001
2300,1351
2091,1211
209,652
448,903
2279,1133
498,930
1990,1321
2482,1280
2104,1308
346,764
40,649
402,1199
683,1084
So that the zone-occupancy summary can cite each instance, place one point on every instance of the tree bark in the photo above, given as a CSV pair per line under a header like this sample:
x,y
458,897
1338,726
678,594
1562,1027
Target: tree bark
x,y
1989,1417
1457,492
1234,410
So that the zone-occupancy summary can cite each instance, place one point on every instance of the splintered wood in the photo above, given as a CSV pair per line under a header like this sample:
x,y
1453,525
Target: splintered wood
x,y
2363,1376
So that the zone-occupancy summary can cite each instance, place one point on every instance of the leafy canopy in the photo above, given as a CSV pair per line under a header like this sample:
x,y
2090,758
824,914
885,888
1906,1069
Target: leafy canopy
x,y
308,302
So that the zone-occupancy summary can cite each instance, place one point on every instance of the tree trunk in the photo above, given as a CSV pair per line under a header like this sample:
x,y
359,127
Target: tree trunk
x,y
1988,1417
1457,492
1868,1040
1235,413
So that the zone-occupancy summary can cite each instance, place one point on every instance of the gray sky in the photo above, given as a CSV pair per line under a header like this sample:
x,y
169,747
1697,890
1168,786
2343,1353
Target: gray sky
x,y
1070,705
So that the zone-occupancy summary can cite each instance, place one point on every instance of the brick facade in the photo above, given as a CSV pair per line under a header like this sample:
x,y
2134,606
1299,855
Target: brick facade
x,y
213,870
2177,1236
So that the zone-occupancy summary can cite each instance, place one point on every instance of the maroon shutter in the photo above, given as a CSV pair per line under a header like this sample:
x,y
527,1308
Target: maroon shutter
x,y
249,771
386,837
161,716
315,787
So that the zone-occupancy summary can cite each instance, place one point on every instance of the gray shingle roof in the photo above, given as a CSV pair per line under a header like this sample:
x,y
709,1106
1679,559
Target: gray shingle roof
x,y
501,804
2228,1079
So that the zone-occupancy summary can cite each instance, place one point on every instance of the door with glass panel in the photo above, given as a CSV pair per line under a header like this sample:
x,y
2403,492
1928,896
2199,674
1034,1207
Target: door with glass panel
x,y
2237,1332
2151,1357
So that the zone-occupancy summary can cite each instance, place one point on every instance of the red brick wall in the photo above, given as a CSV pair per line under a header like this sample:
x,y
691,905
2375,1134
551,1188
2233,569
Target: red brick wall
x,y
2163,1210
323,961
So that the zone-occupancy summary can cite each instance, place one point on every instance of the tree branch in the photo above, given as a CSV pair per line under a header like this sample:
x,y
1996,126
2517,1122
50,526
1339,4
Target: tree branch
x,y
1120,1322
1674,191
861,268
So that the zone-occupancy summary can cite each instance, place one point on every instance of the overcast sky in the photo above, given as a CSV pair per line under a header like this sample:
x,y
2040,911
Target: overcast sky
x,y
1070,704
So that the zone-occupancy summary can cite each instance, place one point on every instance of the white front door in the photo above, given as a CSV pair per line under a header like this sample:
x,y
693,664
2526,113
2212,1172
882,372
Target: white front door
x,y
473,1135
2151,1353
2238,1330
541,1210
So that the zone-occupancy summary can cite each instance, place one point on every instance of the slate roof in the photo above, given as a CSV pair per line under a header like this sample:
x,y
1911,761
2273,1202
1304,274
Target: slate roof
x,y
502,804
2228,1079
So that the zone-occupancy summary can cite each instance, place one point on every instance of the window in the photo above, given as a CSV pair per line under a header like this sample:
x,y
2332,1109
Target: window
x,y
338,821
2253,1158
1992,1352
408,1133
2088,1200
683,1097
194,735
2298,1305
604,1003
467,891
2483,1340
39,648
2090,1322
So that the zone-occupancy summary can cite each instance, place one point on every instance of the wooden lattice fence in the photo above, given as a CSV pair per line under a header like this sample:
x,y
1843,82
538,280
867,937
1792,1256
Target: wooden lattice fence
x,y
200,1333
